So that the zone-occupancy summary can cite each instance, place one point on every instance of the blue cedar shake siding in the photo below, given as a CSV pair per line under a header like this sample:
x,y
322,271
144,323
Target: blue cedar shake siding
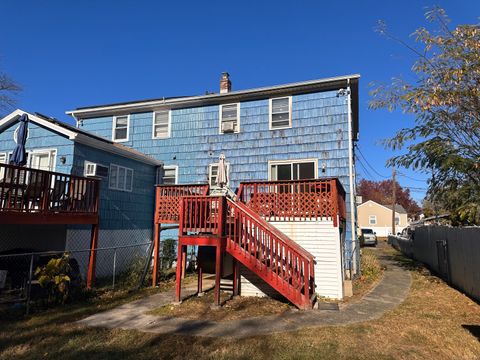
x,y
125,217
319,130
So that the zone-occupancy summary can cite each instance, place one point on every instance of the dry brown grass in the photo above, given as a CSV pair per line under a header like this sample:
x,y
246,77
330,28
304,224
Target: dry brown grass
x,y
434,322
200,308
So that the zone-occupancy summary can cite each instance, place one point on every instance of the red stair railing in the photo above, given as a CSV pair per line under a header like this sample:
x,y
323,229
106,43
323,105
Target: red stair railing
x,y
270,254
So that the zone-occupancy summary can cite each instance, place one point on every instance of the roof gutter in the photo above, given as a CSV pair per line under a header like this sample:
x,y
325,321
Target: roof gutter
x,y
298,87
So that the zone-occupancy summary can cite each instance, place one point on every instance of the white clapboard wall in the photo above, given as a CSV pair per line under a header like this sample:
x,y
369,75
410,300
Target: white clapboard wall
x,y
322,240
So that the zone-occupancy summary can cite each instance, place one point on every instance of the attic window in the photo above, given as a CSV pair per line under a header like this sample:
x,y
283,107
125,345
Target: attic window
x,y
120,128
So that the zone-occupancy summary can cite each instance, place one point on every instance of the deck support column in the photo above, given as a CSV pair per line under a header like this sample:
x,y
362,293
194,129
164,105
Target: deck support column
x,y
200,277
235,277
218,273
156,251
184,262
178,280
93,256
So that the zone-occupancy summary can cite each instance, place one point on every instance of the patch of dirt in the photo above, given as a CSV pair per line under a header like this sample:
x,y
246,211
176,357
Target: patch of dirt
x,y
200,308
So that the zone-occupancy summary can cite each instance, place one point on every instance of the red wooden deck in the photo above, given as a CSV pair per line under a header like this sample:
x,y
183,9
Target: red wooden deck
x,y
242,229
31,196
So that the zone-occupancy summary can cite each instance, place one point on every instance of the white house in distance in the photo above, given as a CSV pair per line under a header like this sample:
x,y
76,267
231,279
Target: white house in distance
x,y
378,217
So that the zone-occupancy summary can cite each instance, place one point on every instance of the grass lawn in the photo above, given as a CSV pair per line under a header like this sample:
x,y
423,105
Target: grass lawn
x,y
434,322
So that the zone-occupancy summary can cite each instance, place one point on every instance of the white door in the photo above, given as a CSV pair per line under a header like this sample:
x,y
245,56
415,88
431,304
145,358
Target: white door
x,y
43,160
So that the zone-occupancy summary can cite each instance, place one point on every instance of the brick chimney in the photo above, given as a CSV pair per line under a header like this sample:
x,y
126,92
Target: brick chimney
x,y
225,83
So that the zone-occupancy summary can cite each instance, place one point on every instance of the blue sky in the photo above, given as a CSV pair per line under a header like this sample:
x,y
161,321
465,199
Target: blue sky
x,y
68,54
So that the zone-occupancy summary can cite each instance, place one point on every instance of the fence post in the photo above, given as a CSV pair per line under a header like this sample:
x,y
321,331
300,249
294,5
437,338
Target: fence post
x,y
114,267
29,286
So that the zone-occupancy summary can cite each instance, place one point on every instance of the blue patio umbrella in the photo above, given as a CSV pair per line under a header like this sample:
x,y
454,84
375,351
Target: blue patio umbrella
x,y
19,156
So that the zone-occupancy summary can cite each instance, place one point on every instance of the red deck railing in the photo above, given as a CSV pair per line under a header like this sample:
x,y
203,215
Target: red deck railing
x,y
200,215
168,198
30,191
295,200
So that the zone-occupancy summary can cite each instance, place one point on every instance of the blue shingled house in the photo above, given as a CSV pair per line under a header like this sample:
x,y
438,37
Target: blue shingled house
x,y
126,179
290,132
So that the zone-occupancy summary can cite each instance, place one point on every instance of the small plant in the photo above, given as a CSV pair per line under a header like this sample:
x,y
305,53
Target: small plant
x,y
371,268
54,277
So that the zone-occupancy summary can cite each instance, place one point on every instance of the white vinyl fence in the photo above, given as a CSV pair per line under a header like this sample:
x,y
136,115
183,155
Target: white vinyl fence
x,y
452,252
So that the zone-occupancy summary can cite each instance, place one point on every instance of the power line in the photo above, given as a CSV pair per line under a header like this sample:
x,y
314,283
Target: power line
x,y
366,172
371,167
411,178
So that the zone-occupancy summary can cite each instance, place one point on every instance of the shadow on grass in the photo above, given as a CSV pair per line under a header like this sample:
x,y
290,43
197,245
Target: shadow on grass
x,y
473,329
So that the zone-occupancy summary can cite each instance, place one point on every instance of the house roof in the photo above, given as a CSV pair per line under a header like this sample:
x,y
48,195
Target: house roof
x,y
332,83
398,208
78,135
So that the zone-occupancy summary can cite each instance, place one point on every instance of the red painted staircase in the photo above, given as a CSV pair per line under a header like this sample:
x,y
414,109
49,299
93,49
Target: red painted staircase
x,y
253,242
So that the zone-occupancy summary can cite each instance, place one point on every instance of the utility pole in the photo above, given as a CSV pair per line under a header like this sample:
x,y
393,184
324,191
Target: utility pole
x,y
394,200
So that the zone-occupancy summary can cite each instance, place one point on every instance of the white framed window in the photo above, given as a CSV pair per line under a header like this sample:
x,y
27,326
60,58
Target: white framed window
x,y
167,175
213,173
120,128
372,219
120,178
3,160
281,113
293,169
162,120
229,118
42,159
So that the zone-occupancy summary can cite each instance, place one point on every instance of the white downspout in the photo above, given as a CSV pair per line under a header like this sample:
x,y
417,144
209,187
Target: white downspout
x,y
350,168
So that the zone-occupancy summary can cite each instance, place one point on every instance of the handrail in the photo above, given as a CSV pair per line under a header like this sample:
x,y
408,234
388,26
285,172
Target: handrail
x,y
167,203
294,200
24,189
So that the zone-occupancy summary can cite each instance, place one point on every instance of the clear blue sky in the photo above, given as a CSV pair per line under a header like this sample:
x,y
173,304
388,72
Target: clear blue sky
x,y
67,54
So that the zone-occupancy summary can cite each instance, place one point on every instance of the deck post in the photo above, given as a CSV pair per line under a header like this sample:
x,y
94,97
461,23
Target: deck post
x,y
184,263
218,273
93,256
156,250
178,280
235,277
200,277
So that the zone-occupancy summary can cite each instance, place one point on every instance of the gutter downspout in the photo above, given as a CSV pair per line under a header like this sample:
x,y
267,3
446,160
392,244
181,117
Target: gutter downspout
x,y
351,183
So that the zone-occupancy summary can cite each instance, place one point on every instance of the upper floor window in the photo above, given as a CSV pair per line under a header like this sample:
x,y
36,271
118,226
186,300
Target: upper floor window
x,y
397,220
229,118
213,173
281,113
372,219
161,124
120,178
120,128
293,170
167,175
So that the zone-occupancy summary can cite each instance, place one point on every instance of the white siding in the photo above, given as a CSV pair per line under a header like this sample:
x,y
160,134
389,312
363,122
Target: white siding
x,y
322,240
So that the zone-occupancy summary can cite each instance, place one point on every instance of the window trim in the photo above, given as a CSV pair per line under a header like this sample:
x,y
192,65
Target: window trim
x,y
125,182
270,115
169,128
291,162
5,155
220,120
210,173
43,151
114,122
370,217
88,162
169,167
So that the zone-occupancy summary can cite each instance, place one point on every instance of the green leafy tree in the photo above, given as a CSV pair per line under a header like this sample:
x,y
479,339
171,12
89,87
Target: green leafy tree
x,y
444,98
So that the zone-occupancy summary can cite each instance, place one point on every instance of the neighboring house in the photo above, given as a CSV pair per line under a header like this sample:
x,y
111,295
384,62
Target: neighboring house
x,y
378,217
294,131
126,178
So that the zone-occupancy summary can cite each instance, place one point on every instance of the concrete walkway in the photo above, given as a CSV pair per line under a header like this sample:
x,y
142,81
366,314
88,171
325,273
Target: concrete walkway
x,y
389,293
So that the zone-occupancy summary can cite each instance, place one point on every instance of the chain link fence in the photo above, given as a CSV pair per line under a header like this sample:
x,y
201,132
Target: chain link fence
x,y
31,279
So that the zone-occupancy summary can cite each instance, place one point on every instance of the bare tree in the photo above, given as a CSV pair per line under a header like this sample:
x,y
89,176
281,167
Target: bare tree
x,y
8,91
